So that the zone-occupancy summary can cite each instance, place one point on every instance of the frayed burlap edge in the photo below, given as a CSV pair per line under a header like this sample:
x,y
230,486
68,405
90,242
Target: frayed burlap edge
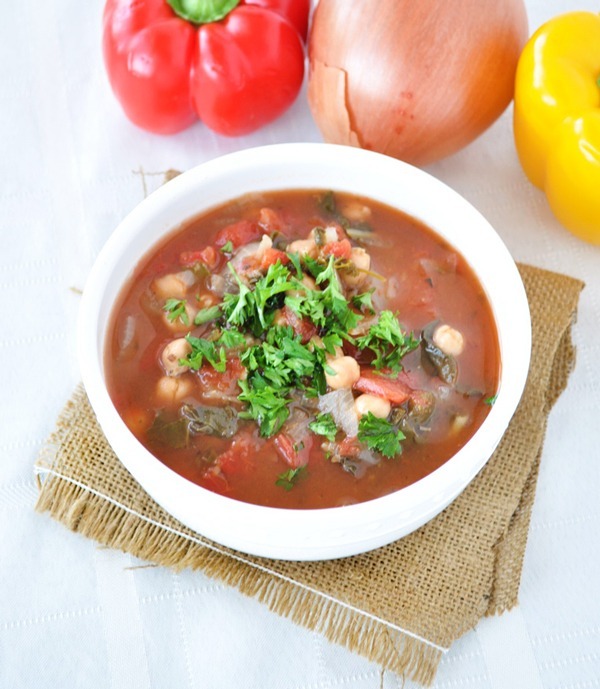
x,y
510,549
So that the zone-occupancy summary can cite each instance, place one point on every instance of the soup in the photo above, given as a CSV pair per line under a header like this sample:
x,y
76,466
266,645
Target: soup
x,y
303,349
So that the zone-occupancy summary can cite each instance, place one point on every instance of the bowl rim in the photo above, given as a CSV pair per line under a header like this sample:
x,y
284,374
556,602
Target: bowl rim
x,y
436,490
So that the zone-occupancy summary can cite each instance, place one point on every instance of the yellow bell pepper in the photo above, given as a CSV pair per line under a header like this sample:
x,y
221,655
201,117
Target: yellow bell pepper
x,y
557,118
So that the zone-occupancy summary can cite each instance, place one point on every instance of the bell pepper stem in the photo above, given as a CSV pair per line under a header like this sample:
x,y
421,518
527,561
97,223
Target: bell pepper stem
x,y
202,11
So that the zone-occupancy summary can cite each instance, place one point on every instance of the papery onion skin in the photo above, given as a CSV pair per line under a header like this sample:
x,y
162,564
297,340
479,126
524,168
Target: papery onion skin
x,y
414,79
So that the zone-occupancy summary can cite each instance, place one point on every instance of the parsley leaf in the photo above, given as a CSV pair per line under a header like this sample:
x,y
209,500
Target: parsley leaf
x,y
204,350
327,307
324,424
212,350
273,283
331,341
238,308
255,308
295,259
227,248
288,479
284,361
388,342
364,301
205,315
266,405
175,308
380,435
232,339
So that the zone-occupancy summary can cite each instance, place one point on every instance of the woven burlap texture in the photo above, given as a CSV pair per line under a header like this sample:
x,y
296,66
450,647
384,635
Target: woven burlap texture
x,y
400,606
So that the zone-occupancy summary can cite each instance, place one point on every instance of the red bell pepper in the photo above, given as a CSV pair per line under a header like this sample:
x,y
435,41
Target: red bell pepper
x,y
393,390
234,64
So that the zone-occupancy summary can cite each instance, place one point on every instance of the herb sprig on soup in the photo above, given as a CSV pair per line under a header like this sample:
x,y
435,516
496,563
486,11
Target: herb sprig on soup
x,y
303,349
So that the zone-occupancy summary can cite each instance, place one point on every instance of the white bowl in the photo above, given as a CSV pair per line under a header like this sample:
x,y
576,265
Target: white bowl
x,y
320,533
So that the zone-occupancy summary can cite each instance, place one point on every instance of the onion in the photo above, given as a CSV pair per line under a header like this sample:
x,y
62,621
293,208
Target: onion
x,y
340,404
127,342
414,79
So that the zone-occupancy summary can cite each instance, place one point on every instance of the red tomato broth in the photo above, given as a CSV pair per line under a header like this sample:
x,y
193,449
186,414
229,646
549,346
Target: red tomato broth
x,y
428,280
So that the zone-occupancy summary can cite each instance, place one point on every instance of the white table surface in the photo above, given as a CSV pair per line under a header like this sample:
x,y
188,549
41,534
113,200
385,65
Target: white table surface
x,y
76,615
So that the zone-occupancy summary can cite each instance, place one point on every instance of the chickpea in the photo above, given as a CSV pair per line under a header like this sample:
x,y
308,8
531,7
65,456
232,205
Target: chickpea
x,y
302,247
356,211
378,406
362,262
207,299
449,340
360,258
172,353
170,390
346,372
173,285
279,319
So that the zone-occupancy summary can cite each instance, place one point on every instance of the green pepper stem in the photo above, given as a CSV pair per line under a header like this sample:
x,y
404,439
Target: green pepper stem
x,y
202,11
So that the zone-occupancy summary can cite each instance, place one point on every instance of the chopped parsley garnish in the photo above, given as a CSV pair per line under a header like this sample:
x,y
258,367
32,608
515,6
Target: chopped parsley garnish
x,y
380,435
295,260
275,282
205,350
232,339
266,405
212,351
491,400
206,315
388,342
324,424
175,308
279,363
326,307
288,479
237,307
227,248
364,301
254,307
275,368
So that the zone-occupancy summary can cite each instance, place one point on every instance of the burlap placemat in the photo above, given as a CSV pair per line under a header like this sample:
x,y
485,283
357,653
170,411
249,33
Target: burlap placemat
x,y
401,606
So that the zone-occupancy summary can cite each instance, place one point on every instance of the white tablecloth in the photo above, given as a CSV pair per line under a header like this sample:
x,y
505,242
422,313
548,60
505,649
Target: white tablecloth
x,y
73,614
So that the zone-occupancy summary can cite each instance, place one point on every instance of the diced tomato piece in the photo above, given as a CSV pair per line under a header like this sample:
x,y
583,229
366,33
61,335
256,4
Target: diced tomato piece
x,y
395,391
237,459
239,234
349,447
213,479
341,249
270,221
208,256
303,327
294,454
270,258
211,380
